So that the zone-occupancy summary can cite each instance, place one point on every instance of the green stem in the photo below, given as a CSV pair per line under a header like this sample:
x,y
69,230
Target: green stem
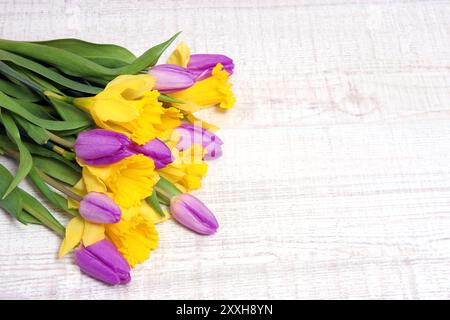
x,y
59,186
63,152
166,189
51,94
63,142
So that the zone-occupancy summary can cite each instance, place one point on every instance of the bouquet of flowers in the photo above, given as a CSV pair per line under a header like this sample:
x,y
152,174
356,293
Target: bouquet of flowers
x,y
111,140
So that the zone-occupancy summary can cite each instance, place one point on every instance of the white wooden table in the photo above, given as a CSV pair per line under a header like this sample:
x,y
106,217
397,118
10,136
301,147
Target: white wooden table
x,y
335,182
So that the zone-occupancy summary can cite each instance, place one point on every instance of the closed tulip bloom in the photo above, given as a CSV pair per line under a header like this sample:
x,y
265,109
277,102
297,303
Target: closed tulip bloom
x,y
101,147
202,64
99,208
103,262
157,150
193,214
171,78
191,134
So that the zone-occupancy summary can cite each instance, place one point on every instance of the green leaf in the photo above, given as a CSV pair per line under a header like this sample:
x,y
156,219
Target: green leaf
x,y
37,110
25,160
57,170
24,207
148,59
108,55
46,72
7,70
16,91
8,103
54,198
68,111
154,203
33,207
39,135
72,63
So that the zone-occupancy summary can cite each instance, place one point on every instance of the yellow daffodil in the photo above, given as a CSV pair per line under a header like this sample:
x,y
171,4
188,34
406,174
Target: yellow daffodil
x,y
188,168
127,105
134,237
129,180
214,90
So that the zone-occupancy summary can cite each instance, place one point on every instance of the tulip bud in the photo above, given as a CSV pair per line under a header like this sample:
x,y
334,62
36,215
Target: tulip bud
x,y
103,262
202,65
171,78
193,214
101,147
157,150
99,208
191,134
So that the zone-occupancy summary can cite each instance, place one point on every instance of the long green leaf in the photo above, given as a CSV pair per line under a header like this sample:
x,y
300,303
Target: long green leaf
x,y
55,198
25,160
14,74
154,203
72,63
16,91
57,170
46,72
108,55
8,103
148,58
38,134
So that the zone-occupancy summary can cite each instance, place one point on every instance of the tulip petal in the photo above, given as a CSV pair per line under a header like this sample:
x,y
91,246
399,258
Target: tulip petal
x,y
74,233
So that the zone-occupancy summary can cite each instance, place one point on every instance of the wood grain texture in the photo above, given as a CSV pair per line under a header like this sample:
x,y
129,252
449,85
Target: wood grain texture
x,y
335,182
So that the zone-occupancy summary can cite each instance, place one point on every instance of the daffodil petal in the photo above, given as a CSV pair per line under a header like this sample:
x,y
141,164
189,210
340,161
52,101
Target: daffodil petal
x,y
180,56
74,233
93,233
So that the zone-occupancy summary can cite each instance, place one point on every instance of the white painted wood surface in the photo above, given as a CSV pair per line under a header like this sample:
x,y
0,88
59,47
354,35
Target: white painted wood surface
x,y
335,181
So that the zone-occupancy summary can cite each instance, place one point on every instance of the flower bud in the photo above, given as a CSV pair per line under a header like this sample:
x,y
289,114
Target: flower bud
x,y
99,208
193,214
101,147
171,78
202,65
103,262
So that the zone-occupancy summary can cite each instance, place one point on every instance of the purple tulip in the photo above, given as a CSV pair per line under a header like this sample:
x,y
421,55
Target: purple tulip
x,y
191,134
193,214
103,262
101,147
157,150
99,208
171,78
202,64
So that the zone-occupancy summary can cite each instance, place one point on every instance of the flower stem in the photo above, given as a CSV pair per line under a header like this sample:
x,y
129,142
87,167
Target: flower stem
x,y
59,186
51,94
61,141
66,154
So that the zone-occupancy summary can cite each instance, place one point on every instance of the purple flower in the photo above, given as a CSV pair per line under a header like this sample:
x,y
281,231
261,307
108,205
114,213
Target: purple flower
x,y
99,208
157,150
101,147
171,78
191,134
202,64
103,262
193,214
